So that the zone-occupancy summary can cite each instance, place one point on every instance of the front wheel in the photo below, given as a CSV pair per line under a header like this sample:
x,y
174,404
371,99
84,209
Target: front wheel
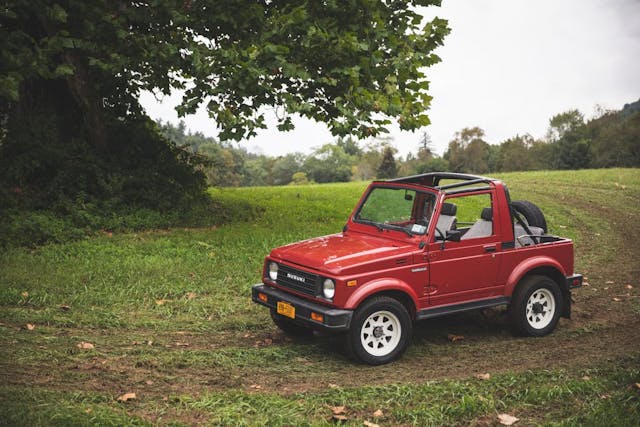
x,y
380,331
536,306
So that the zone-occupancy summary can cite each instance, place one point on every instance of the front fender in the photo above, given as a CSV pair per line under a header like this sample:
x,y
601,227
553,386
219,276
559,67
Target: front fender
x,y
380,285
527,265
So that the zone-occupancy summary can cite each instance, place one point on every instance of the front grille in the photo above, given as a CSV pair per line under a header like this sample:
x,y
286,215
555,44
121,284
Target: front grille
x,y
300,281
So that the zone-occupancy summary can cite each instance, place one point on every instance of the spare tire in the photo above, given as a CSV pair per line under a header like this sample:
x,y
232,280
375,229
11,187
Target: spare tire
x,y
531,213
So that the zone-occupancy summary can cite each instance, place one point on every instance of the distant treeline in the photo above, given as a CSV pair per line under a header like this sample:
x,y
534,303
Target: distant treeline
x,y
610,140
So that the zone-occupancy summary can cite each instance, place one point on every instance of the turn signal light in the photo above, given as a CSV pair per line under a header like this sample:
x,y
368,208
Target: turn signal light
x,y
352,283
317,317
262,297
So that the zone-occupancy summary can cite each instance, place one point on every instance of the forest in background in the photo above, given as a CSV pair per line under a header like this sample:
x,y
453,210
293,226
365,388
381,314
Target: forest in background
x,y
611,139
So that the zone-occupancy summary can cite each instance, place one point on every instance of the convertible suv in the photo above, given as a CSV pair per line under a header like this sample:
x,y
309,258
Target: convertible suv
x,y
416,248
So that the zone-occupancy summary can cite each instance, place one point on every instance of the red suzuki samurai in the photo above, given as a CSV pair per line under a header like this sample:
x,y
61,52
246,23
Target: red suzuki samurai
x,y
416,248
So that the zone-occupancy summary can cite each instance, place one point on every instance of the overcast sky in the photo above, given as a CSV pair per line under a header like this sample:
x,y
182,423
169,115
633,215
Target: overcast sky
x,y
508,66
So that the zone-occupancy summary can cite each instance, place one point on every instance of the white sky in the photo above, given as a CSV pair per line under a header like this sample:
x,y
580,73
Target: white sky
x,y
508,66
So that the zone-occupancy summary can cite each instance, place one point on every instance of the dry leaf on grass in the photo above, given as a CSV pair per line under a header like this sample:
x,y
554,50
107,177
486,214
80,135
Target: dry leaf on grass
x,y
507,420
629,287
162,301
339,418
331,385
127,397
370,424
338,410
616,299
454,338
65,307
191,295
484,377
586,378
378,413
85,345
637,386
29,326
24,294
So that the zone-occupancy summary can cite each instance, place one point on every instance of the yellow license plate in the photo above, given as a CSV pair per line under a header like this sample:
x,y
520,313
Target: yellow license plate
x,y
286,309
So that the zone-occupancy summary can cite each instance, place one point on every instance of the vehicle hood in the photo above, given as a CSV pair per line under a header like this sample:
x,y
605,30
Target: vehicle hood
x,y
346,253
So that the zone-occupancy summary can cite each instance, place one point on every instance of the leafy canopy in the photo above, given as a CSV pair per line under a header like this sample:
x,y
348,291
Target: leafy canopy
x,y
352,64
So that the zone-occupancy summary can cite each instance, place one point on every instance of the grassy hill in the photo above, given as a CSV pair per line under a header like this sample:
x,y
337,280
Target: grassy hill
x,y
169,317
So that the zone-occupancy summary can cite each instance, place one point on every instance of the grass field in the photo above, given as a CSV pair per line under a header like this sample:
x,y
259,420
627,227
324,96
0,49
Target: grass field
x,y
169,318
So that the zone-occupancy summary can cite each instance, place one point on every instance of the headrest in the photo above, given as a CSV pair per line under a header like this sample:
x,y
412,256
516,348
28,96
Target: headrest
x,y
449,209
487,214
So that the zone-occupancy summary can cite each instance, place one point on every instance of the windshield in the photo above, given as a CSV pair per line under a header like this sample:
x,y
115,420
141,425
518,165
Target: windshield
x,y
397,209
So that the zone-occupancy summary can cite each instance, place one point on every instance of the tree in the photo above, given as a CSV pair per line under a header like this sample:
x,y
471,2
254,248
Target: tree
x,y
72,72
234,57
328,163
568,133
468,151
514,154
387,168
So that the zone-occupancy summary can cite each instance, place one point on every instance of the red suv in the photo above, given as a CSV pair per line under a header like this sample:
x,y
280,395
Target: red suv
x,y
420,247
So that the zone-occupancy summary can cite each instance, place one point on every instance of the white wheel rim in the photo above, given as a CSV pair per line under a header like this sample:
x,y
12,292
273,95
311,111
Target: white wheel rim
x,y
541,308
380,333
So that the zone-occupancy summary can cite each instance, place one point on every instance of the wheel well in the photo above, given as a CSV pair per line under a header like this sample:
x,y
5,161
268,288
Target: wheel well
x,y
400,296
550,272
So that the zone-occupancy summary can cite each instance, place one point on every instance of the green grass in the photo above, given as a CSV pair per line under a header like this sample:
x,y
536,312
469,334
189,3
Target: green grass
x,y
173,307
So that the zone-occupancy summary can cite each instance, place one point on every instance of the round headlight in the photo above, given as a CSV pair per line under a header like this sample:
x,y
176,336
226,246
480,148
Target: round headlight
x,y
328,288
273,271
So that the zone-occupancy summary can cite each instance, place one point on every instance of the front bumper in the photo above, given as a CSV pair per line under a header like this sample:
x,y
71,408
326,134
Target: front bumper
x,y
333,319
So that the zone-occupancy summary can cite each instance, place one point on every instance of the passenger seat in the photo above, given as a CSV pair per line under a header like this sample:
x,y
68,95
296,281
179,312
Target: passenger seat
x,y
481,228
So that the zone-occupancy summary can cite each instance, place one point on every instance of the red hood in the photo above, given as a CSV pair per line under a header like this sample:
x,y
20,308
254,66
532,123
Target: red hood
x,y
342,253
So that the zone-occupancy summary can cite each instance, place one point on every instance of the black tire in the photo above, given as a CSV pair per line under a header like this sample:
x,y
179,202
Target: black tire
x,y
290,326
535,307
531,213
380,331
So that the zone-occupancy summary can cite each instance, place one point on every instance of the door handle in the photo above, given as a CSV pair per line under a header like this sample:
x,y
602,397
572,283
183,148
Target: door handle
x,y
490,248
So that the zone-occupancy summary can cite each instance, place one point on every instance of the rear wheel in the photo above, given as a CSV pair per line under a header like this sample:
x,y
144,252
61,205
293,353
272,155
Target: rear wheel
x,y
290,326
532,213
380,331
536,306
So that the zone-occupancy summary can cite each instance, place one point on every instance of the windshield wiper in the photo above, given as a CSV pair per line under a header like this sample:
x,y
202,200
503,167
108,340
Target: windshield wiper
x,y
369,222
399,228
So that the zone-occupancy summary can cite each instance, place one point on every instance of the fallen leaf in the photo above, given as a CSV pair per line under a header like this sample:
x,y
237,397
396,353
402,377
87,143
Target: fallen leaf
x,y
585,283
338,410
30,326
454,338
507,420
617,299
605,396
88,410
65,307
370,424
629,287
339,418
637,386
586,378
333,385
191,295
255,386
148,382
149,342
484,377
85,346
609,282
192,274
162,301
378,413
181,344
127,397
24,294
